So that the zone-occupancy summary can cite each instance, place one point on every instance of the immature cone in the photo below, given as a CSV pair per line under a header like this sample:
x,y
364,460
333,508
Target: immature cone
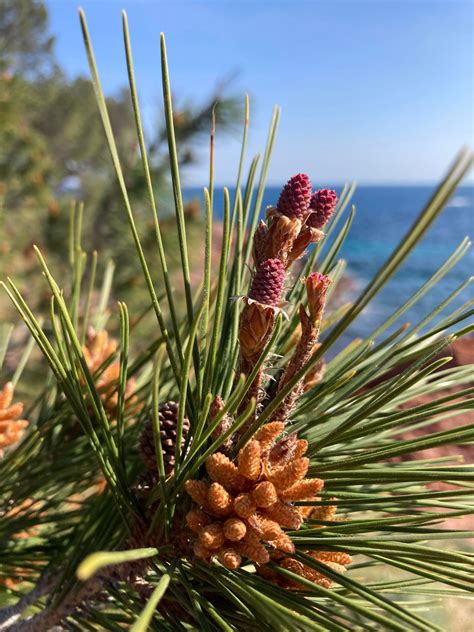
x,y
267,284
168,418
11,427
258,316
322,206
295,197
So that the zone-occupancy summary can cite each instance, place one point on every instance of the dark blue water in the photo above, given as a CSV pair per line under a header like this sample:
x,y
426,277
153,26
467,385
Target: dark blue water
x,y
383,216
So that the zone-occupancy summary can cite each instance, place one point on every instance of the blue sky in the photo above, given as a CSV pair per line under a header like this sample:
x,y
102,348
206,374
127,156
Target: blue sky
x,y
377,91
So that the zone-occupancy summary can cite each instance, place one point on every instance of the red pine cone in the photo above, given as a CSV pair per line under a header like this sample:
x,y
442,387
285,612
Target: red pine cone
x,y
295,197
267,285
322,205
168,417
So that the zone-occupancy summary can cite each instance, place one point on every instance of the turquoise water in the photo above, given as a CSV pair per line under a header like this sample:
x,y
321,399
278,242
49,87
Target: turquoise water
x,y
383,216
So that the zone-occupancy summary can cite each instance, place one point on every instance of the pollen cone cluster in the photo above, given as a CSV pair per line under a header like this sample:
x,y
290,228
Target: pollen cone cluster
x,y
11,425
98,352
244,510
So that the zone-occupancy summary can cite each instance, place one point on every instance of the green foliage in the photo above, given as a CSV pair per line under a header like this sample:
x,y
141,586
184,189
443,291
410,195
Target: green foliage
x,y
26,45
394,521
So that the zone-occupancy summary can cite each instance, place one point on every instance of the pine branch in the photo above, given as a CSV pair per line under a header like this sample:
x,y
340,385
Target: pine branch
x,y
225,474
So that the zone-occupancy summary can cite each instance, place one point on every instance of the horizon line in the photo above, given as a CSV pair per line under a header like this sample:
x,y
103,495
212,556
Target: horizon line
x,y
367,183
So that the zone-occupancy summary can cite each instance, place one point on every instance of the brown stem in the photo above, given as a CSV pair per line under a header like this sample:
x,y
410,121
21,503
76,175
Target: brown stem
x,y
11,614
51,616
81,596
299,359
254,391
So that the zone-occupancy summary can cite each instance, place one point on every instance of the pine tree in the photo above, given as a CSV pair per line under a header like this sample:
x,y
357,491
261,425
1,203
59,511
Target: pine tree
x,y
286,505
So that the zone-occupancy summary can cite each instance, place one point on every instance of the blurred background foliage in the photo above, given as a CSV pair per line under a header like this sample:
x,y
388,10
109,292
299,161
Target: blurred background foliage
x,y
53,153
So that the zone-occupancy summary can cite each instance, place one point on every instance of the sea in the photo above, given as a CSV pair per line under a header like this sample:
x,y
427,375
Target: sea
x,y
383,216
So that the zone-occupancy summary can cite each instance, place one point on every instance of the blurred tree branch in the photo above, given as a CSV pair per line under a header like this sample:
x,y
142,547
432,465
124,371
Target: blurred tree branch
x,y
52,148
